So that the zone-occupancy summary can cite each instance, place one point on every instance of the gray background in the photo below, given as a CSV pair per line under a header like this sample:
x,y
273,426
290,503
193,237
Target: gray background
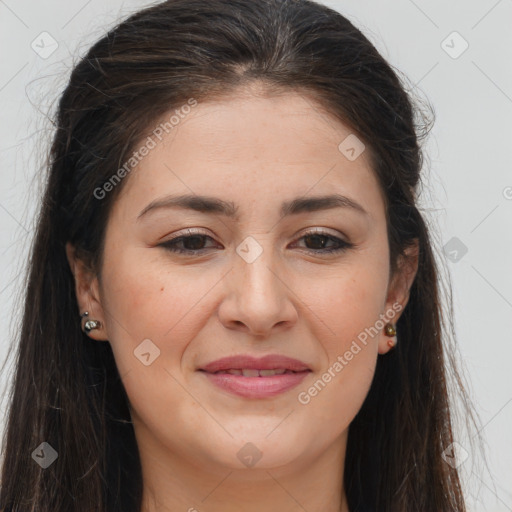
x,y
468,180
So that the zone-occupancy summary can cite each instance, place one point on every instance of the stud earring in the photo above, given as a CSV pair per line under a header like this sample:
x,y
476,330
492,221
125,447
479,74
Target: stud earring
x,y
89,324
390,330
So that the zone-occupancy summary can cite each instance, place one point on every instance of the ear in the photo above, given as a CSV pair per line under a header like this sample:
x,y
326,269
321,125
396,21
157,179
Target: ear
x,y
398,291
87,293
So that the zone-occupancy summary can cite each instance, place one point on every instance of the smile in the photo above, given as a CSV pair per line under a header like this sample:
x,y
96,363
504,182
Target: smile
x,y
250,372
256,384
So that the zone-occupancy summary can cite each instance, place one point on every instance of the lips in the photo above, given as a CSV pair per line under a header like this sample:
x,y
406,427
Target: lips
x,y
249,372
249,366
255,378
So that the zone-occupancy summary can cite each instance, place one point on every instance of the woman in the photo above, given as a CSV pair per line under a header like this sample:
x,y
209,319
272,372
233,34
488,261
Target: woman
x,y
232,300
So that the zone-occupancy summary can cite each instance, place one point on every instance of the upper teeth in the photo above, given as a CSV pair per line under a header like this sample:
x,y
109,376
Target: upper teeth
x,y
256,373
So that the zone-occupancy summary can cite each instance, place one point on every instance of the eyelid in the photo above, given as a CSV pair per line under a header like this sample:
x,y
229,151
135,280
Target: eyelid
x,y
321,231
187,232
342,245
342,241
300,234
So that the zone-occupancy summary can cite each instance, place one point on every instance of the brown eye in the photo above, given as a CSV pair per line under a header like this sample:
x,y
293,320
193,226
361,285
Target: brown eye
x,y
319,242
190,244
316,242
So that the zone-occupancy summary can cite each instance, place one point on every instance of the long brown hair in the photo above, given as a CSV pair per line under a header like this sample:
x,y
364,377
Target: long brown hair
x,y
67,390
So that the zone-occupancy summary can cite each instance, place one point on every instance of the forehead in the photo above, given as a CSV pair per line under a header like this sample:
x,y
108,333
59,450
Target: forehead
x,y
253,147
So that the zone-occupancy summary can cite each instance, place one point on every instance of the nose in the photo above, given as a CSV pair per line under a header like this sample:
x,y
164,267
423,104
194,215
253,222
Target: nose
x,y
259,300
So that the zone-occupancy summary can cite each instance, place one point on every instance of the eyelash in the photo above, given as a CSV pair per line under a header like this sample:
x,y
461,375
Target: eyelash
x,y
170,245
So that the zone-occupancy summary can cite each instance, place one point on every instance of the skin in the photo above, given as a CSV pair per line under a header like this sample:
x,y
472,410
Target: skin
x,y
256,151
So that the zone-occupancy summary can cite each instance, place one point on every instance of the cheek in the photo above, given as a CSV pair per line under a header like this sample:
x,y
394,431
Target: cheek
x,y
348,312
346,303
331,401
347,321
146,299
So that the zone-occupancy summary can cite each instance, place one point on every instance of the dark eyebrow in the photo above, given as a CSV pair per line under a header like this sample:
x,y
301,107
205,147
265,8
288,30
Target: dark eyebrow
x,y
312,204
203,204
206,204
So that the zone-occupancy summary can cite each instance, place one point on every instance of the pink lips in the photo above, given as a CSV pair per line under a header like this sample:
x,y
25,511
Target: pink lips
x,y
254,385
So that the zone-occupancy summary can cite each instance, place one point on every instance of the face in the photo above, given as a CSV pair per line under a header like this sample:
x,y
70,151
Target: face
x,y
183,285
